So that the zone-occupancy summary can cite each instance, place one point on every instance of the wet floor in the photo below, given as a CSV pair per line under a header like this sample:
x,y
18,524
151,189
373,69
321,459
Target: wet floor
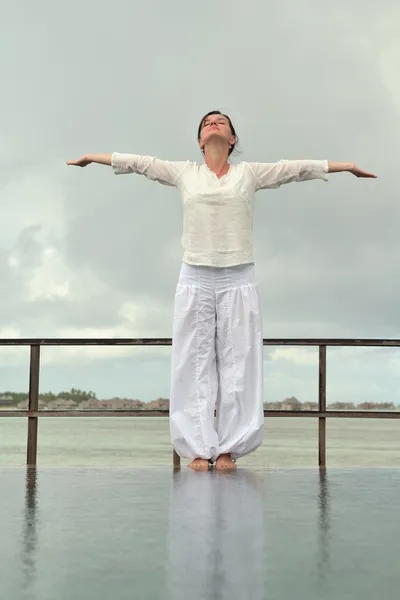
x,y
150,533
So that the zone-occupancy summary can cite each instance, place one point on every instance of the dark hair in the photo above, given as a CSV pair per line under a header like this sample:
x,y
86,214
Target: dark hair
x,y
218,112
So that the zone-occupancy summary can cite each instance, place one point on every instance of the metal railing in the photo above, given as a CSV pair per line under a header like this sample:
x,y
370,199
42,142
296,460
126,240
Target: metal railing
x,y
33,413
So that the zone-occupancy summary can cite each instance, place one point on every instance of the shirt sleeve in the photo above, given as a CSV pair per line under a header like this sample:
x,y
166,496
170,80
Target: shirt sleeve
x,y
273,175
162,171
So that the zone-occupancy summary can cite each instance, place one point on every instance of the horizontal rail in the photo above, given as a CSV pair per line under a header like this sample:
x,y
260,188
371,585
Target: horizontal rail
x,y
333,414
367,342
321,413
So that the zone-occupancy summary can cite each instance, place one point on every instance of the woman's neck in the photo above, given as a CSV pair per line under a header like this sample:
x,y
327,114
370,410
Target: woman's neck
x,y
216,157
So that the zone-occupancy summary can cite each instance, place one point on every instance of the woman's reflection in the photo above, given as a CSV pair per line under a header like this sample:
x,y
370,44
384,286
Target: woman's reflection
x,y
216,536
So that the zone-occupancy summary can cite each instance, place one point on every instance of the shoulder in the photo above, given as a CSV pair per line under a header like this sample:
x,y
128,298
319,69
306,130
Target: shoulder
x,y
188,164
245,167
190,167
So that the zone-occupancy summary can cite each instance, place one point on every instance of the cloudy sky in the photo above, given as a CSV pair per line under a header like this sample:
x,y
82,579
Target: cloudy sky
x,y
85,253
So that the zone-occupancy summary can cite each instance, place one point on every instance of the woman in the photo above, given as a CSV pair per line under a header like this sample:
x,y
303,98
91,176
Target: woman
x,y
217,350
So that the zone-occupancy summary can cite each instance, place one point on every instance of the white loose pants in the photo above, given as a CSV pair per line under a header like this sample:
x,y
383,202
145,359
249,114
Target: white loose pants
x,y
217,363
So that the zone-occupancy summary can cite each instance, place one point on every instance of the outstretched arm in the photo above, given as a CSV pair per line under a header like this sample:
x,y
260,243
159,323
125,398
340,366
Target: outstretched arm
x,y
163,171
273,175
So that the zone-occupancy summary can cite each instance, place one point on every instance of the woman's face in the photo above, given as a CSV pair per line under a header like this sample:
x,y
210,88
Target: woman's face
x,y
216,126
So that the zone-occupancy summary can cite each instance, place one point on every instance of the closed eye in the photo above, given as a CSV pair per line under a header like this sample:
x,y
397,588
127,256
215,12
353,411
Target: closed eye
x,y
207,124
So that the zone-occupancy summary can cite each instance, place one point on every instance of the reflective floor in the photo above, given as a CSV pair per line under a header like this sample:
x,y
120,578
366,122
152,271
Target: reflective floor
x,y
150,533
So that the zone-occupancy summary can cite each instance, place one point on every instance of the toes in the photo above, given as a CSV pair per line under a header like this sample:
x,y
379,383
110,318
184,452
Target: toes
x,y
225,465
198,465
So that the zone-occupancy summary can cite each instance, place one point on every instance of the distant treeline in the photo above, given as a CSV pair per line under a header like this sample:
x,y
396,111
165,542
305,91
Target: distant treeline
x,y
294,404
81,399
9,398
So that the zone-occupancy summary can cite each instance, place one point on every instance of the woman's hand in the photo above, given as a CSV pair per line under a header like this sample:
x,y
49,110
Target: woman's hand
x,y
81,162
361,173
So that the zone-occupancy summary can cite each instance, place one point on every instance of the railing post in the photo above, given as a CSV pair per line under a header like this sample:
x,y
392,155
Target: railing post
x,y
176,460
322,407
33,399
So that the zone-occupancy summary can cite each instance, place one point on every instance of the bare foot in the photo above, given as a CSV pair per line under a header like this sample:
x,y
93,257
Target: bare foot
x,y
199,464
225,463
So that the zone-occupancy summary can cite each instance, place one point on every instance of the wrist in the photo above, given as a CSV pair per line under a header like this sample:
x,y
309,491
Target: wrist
x,y
338,167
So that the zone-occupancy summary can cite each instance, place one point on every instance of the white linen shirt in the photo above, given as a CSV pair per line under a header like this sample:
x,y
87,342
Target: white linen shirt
x,y
218,212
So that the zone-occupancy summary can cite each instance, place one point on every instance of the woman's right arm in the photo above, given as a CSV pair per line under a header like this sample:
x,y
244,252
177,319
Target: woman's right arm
x,y
155,169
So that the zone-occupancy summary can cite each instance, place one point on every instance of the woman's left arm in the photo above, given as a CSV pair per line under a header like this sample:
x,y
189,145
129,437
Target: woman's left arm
x,y
273,175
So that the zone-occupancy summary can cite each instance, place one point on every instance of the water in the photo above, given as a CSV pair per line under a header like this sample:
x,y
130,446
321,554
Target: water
x,y
150,533
134,441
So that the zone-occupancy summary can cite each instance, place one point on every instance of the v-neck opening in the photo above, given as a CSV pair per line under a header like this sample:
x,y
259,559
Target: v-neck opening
x,y
215,175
